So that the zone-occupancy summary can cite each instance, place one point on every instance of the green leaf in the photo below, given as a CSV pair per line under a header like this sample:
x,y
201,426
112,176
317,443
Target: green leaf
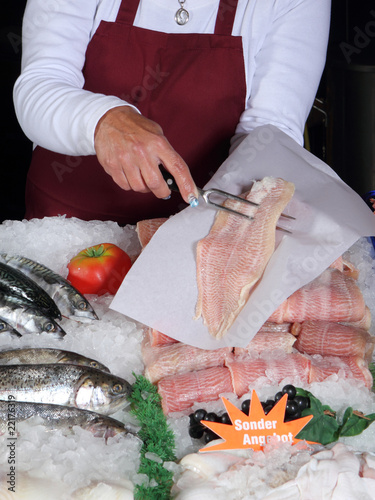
x,y
354,424
372,370
323,428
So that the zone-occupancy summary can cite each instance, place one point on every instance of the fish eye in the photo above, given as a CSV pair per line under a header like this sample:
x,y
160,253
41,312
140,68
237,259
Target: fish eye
x,y
49,327
82,305
94,364
117,388
2,326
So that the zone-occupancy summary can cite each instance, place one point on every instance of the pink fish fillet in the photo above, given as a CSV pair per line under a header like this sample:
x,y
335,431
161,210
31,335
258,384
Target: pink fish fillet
x,y
247,372
172,359
364,322
232,257
332,296
267,341
350,367
158,338
333,339
147,228
180,392
345,267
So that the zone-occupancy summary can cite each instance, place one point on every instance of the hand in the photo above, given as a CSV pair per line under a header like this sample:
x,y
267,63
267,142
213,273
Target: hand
x,y
131,147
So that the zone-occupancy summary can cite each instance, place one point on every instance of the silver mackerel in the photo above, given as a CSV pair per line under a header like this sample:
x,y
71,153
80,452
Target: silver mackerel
x,y
69,300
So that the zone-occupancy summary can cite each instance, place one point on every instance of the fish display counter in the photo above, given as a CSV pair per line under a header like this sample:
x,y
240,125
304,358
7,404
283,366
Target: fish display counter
x,y
86,439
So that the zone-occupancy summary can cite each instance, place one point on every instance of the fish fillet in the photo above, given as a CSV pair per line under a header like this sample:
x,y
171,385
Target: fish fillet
x,y
332,296
345,267
267,340
349,367
247,372
158,338
333,339
364,322
147,228
172,359
180,392
232,257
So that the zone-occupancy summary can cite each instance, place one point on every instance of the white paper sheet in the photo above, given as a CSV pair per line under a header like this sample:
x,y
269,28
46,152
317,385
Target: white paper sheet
x,y
160,290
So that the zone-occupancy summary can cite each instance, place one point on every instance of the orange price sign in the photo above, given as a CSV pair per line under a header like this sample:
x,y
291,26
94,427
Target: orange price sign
x,y
257,429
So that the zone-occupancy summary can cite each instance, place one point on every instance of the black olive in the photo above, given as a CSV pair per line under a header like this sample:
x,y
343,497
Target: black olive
x,y
267,408
302,402
291,408
278,396
200,414
210,436
290,390
196,431
245,406
211,417
224,418
270,402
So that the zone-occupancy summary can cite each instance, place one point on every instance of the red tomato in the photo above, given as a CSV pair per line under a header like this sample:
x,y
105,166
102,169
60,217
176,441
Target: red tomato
x,y
99,269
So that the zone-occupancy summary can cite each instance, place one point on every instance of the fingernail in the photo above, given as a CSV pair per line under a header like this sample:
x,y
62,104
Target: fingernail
x,y
193,201
167,197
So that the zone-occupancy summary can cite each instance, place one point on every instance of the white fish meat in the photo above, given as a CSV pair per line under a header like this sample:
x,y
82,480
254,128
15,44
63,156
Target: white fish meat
x,y
232,257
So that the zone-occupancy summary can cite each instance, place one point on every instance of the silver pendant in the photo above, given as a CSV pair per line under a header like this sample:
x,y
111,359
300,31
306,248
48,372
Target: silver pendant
x,y
182,15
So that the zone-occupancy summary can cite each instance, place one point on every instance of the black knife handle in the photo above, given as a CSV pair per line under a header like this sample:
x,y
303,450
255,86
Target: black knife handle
x,y
169,179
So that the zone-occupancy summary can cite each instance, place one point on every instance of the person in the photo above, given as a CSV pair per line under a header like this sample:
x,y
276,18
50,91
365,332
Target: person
x,y
111,90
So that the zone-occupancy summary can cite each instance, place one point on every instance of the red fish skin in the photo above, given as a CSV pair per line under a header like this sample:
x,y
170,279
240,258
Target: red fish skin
x,y
333,339
180,392
232,257
332,296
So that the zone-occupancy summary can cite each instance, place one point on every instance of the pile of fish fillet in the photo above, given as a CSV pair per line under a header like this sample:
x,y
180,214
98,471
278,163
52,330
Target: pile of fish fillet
x,y
320,330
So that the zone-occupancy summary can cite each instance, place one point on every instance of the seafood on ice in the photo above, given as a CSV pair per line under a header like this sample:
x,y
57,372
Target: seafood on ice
x,y
14,282
26,319
56,416
335,473
45,356
68,385
319,332
69,300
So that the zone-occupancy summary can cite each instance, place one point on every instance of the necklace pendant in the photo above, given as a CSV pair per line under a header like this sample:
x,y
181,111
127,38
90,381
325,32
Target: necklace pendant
x,y
182,16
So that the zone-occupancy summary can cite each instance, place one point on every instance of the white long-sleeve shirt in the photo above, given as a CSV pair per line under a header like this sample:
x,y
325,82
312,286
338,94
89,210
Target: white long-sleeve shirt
x,y
284,45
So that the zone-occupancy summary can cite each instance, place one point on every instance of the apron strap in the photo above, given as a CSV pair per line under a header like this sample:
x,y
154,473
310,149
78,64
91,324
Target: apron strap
x,y
225,17
127,11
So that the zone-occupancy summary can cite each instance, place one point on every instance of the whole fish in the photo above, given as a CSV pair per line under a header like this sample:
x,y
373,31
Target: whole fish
x,y
14,282
69,300
7,328
67,385
59,417
27,319
46,356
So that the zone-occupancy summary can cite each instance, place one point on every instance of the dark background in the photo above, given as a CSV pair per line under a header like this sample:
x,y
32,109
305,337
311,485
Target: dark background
x,y
341,125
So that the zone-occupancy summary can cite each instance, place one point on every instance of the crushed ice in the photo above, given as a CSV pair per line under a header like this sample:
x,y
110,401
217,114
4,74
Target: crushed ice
x,y
80,459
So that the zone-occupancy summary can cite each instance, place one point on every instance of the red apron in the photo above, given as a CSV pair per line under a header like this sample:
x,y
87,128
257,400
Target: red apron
x,y
193,85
